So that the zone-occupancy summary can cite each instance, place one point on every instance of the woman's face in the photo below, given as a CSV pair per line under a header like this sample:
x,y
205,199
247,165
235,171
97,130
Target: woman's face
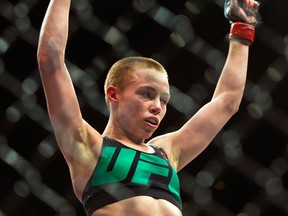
x,y
141,105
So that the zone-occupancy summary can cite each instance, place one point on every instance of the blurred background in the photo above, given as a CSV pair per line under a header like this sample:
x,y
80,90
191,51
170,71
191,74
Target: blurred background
x,y
244,170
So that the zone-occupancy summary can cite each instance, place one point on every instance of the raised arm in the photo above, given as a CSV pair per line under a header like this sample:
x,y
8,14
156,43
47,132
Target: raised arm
x,y
62,103
189,141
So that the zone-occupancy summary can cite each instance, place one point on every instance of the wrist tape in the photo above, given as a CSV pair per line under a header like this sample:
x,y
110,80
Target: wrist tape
x,y
242,32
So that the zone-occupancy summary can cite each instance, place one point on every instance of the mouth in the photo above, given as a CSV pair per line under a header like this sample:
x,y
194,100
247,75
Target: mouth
x,y
152,121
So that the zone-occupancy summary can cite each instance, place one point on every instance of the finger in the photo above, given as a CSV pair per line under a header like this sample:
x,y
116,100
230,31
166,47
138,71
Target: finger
x,y
251,19
252,5
256,5
248,4
242,15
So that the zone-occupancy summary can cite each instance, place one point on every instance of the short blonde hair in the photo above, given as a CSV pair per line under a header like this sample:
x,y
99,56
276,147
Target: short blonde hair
x,y
121,71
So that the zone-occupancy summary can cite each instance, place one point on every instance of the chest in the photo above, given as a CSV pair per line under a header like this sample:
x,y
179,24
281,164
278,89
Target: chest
x,y
131,166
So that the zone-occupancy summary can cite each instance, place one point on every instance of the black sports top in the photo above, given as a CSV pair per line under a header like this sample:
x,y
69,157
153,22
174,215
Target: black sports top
x,y
122,173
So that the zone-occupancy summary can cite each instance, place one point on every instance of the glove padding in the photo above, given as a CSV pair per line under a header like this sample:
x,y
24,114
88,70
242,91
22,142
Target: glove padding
x,y
245,11
242,15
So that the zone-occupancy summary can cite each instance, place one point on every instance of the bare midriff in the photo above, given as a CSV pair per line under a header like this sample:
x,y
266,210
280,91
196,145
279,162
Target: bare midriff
x,y
140,205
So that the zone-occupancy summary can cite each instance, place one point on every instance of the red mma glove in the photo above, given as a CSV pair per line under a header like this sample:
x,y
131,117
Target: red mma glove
x,y
242,14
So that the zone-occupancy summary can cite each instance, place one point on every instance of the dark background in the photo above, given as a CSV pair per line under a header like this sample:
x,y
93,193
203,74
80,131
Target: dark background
x,y
244,170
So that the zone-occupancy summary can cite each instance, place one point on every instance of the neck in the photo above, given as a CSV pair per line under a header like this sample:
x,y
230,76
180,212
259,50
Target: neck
x,y
114,131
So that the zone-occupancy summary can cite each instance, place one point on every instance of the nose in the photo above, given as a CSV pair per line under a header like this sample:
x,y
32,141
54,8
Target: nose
x,y
155,107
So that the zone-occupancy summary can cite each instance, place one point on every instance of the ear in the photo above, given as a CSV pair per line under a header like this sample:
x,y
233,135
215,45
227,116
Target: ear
x,y
112,93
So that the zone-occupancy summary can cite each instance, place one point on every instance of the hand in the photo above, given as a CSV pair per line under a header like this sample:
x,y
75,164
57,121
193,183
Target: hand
x,y
245,11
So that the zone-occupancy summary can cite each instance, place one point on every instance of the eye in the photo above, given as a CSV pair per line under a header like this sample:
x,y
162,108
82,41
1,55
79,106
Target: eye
x,y
164,101
146,95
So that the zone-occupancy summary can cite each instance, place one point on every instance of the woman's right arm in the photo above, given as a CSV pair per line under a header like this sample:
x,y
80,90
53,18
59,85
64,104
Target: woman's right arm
x,y
63,107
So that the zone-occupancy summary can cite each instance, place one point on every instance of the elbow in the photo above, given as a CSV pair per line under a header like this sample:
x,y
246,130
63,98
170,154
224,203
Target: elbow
x,y
44,61
50,52
231,103
49,59
43,50
233,108
42,57
45,53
